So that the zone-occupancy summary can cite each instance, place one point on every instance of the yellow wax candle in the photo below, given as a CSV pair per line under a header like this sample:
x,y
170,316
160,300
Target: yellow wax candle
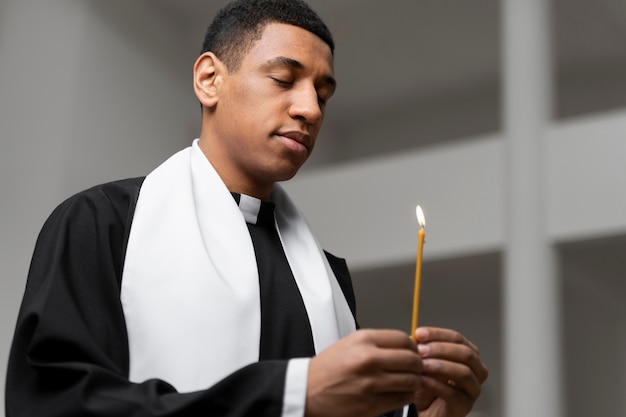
x,y
418,269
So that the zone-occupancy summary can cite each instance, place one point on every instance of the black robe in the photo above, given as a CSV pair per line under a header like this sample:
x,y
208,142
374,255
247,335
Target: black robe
x,y
70,350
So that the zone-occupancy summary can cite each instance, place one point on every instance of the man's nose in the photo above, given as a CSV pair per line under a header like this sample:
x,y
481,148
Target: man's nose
x,y
306,105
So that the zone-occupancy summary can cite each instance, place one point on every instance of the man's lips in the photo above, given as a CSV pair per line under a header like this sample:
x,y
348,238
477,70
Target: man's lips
x,y
296,140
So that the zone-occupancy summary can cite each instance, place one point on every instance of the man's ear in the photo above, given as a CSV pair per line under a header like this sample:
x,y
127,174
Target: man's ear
x,y
207,78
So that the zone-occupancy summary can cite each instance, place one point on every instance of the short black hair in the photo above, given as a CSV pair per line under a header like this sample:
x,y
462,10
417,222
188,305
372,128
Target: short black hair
x,y
239,24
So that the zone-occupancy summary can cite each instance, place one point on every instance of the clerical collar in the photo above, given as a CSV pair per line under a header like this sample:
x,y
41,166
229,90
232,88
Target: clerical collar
x,y
255,211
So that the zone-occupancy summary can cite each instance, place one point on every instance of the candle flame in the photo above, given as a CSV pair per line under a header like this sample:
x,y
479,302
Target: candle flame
x,y
420,216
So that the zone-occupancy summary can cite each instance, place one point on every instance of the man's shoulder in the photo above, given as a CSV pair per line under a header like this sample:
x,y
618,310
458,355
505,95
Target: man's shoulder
x,y
110,191
113,189
115,198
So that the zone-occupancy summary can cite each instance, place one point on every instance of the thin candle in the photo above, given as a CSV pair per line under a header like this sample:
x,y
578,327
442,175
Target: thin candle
x,y
418,268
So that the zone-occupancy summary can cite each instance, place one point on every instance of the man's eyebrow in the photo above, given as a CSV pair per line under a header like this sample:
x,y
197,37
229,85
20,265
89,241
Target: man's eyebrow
x,y
293,63
283,60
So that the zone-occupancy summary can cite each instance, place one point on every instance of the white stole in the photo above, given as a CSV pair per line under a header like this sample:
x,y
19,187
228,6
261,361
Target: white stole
x,y
190,285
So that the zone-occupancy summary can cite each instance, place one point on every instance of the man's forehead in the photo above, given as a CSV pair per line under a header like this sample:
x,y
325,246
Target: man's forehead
x,y
276,36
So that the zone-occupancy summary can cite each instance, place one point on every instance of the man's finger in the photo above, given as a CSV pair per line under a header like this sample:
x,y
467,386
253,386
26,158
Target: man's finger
x,y
454,352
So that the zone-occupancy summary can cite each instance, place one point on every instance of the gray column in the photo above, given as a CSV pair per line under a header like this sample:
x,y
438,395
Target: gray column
x,y
532,369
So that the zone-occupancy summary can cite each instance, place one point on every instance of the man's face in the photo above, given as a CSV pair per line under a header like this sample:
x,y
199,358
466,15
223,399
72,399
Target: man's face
x,y
270,110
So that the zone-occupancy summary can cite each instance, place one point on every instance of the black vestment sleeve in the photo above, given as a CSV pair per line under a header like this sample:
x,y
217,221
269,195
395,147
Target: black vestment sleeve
x,y
70,350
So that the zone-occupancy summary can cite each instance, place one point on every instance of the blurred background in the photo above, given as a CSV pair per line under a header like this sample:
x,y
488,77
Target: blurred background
x,y
505,120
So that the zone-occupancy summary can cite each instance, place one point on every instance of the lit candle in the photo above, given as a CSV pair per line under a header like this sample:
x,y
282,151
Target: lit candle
x,y
418,268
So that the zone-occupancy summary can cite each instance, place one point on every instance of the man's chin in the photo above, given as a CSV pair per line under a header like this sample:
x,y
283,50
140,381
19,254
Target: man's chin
x,y
289,169
288,176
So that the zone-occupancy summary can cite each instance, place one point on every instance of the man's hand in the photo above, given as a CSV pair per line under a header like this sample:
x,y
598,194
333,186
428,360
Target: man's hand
x,y
452,373
367,373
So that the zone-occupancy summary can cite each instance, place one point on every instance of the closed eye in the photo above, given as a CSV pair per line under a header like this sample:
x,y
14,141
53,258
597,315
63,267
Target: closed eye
x,y
282,83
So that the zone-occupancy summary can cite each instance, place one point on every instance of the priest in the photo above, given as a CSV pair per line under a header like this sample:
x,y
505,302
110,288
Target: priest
x,y
200,290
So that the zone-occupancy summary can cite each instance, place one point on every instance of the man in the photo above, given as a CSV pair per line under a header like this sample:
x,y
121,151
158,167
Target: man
x,y
200,290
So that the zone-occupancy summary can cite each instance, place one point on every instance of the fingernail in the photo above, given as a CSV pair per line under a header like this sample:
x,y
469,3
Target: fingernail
x,y
421,334
423,349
